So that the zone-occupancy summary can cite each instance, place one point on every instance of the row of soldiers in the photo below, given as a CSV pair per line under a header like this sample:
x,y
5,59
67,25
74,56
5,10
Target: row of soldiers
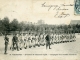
x,y
28,40
32,40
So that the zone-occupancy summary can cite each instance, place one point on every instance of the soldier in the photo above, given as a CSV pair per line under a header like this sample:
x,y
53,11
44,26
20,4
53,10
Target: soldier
x,y
58,36
25,41
6,43
36,40
19,41
51,39
33,40
74,36
55,37
44,39
62,37
15,41
39,38
29,40
47,41
66,37
70,37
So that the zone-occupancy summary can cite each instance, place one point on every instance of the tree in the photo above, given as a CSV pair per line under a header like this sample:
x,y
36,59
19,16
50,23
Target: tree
x,y
22,26
14,25
1,26
5,25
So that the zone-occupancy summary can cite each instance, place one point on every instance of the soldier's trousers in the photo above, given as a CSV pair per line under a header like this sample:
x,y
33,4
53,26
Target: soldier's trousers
x,y
36,41
47,44
21,43
6,46
15,43
25,43
29,43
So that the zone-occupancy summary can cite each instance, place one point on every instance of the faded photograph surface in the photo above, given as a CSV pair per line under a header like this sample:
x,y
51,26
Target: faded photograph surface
x,y
39,29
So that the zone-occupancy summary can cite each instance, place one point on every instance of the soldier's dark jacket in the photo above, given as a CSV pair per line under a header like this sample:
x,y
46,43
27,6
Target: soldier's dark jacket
x,y
6,39
15,39
47,38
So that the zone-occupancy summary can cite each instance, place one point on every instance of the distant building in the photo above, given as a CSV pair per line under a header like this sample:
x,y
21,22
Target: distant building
x,y
40,22
75,22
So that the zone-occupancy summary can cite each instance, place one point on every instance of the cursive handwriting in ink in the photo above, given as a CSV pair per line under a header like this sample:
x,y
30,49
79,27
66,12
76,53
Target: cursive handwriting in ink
x,y
62,15
59,9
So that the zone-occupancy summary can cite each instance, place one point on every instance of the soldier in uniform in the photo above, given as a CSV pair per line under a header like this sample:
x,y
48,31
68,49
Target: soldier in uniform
x,y
54,37
51,39
15,41
58,36
74,36
39,40
33,40
69,36
29,40
36,40
25,41
47,41
6,43
19,42
64,37
44,39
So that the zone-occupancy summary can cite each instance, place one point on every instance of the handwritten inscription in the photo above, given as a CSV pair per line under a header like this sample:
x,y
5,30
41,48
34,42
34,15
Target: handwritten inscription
x,y
60,9
62,15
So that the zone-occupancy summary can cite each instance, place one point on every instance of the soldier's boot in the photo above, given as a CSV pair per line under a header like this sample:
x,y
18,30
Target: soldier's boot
x,y
34,46
25,47
38,45
20,48
49,47
10,48
46,46
17,48
5,52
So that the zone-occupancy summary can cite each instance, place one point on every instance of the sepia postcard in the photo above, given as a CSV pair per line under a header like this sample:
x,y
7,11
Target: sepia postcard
x,y
39,29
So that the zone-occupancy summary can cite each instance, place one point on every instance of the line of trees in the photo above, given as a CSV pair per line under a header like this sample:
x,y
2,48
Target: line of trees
x,y
9,27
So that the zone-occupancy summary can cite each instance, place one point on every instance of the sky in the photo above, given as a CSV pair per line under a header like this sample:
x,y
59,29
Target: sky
x,y
31,10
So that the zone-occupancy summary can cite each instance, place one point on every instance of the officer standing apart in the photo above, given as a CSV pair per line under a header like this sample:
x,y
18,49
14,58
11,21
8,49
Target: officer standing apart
x,y
47,41
6,43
